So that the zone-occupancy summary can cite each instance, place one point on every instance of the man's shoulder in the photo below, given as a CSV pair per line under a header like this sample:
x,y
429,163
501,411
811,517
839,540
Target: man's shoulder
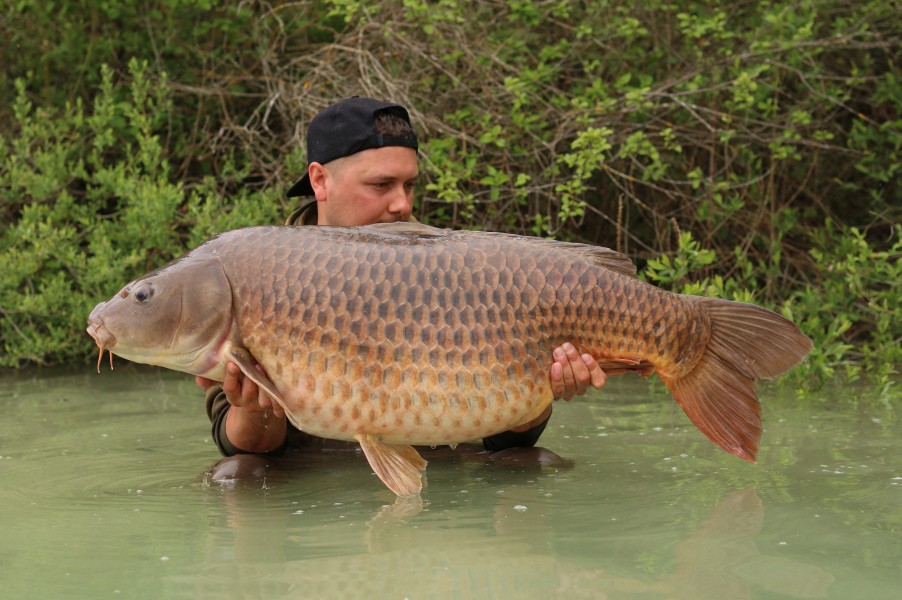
x,y
305,214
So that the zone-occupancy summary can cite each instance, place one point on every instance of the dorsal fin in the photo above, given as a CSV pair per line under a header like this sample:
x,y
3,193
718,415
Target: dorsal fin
x,y
601,256
598,255
406,228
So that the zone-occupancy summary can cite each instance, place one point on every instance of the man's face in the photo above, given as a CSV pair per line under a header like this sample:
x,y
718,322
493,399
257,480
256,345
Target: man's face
x,y
373,186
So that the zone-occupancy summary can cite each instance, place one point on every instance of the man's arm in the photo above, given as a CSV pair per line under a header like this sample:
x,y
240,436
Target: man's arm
x,y
253,423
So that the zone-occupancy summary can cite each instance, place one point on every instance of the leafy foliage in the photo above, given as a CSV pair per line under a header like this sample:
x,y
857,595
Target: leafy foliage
x,y
745,150
91,203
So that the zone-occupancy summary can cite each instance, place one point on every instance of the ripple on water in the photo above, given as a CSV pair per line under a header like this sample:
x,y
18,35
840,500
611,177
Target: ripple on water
x,y
87,485
63,471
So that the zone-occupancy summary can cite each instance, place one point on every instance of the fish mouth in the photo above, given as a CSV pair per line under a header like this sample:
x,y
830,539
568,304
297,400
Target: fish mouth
x,y
102,337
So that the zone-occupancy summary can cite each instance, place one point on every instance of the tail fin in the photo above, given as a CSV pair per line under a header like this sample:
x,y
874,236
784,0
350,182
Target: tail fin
x,y
747,343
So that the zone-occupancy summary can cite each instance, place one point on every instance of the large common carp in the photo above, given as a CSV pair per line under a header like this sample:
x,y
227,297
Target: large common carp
x,y
400,334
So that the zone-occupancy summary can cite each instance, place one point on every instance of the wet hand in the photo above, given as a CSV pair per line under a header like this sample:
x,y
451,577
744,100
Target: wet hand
x,y
243,393
572,373
254,423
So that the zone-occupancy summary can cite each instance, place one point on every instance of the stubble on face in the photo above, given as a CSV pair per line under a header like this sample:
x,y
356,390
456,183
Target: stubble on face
x,y
374,185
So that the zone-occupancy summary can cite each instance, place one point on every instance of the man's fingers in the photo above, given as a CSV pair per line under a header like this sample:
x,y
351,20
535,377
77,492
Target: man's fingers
x,y
557,379
597,375
577,365
266,402
572,373
579,371
231,383
244,392
239,390
277,409
570,385
250,395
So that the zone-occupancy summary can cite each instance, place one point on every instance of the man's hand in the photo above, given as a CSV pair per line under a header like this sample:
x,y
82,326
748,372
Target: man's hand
x,y
255,422
242,392
572,373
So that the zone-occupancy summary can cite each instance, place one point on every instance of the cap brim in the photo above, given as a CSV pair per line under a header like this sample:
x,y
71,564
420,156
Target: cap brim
x,y
301,187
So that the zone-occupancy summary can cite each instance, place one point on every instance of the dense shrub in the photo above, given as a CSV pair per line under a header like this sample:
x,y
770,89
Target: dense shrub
x,y
749,149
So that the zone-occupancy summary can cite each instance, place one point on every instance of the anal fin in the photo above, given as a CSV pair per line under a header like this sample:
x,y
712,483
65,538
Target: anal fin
x,y
619,366
399,467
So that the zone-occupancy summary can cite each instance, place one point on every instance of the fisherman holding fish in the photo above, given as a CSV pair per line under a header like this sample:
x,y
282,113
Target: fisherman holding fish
x,y
362,156
395,334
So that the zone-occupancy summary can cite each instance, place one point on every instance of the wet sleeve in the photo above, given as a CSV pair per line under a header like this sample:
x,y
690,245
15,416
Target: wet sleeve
x,y
514,439
217,411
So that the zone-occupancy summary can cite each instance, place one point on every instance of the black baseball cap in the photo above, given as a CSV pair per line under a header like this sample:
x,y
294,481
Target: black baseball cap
x,y
346,128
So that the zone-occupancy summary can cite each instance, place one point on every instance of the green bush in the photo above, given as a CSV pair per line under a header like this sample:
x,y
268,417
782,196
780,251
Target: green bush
x,y
851,309
744,150
90,202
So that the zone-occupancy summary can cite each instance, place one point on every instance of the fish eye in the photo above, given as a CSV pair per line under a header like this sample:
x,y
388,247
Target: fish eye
x,y
144,293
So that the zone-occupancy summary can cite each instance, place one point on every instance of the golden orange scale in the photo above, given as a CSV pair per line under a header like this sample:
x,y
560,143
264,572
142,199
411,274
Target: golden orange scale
x,y
404,334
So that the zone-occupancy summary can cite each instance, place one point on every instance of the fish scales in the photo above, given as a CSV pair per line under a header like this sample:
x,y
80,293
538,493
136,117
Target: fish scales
x,y
404,334
456,310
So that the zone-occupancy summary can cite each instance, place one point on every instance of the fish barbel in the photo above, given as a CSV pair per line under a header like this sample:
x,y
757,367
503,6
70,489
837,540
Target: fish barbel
x,y
399,334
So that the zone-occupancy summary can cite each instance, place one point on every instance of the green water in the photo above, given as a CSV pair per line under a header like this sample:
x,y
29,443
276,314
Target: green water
x,y
106,492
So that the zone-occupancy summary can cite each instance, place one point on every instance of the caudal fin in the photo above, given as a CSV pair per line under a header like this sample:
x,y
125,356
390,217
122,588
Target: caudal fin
x,y
747,343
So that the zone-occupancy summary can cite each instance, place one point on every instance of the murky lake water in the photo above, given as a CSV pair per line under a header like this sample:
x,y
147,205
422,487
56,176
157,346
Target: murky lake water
x,y
106,492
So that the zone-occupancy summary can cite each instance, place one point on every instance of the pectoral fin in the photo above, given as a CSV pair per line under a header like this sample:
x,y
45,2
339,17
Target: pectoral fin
x,y
248,366
399,467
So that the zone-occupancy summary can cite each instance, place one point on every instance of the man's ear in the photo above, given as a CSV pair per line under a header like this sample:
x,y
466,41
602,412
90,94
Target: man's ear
x,y
318,176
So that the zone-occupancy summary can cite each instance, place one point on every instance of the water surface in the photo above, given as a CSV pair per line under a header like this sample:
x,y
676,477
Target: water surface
x,y
107,492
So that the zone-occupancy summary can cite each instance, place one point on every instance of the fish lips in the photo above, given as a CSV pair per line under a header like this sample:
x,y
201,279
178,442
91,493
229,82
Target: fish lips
x,y
98,331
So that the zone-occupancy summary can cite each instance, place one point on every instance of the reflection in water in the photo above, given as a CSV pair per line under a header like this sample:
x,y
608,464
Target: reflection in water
x,y
407,540
396,513
101,496
722,560
400,550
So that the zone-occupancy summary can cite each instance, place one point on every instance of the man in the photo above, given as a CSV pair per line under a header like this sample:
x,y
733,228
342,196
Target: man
x,y
362,156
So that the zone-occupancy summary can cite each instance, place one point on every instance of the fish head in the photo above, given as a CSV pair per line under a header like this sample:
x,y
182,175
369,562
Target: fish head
x,y
178,317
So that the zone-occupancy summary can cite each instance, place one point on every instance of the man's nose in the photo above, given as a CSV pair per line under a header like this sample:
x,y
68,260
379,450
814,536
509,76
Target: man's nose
x,y
401,202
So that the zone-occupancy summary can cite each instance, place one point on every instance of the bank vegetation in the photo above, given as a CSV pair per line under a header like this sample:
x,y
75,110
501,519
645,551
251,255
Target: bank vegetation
x,y
748,150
